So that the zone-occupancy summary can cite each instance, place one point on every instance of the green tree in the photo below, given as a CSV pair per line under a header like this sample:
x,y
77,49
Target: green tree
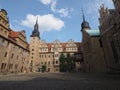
x,y
43,68
67,63
62,65
70,62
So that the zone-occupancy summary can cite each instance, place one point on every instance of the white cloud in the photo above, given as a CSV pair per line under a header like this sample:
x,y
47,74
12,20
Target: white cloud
x,y
53,6
64,12
46,22
15,27
46,2
92,7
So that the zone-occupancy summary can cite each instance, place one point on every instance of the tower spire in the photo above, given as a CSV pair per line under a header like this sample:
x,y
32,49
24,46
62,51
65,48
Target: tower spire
x,y
83,14
84,24
36,27
37,20
36,30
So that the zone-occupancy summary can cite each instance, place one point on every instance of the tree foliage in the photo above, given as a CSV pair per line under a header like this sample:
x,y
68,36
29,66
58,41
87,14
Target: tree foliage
x,y
67,64
43,68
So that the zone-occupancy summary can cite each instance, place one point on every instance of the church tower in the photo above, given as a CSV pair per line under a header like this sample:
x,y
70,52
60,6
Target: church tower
x,y
35,32
84,24
34,45
117,5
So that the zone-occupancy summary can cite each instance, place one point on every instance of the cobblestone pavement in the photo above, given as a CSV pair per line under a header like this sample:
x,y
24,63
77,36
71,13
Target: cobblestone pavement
x,y
60,81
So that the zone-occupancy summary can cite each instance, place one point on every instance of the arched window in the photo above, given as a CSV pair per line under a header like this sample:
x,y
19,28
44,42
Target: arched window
x,y
56,62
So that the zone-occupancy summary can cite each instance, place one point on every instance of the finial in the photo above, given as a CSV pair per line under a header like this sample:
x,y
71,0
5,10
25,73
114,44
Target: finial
x,y
83,14
37,20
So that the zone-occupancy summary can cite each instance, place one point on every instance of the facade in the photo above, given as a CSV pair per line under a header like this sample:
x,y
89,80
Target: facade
x,y
14,49
93,55
110,35
48,54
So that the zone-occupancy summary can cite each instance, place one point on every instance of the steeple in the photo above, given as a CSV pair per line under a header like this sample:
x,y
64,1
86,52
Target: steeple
x,y
84,24
35,32
36,25
83,15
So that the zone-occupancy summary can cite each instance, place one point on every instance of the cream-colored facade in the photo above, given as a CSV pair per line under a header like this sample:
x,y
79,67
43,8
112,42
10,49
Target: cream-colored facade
x,y
14,51
48,54
110,35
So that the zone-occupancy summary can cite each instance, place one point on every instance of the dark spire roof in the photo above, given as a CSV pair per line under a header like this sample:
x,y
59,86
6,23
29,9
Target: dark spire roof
x,y
83,15
84,24
35,32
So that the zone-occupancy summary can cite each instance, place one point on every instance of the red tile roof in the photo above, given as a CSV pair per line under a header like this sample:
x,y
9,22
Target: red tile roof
x,y
64,46
49,46
14,34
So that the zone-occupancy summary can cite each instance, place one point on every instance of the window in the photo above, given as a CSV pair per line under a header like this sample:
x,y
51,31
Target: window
x,y
31,64
49,56
3,22
10,66
56,62
17,57
3,66
40,56
8,44
56,55
100,43
12,56
3,42
16,66
5,32
49,62
5,54
1,29
57,70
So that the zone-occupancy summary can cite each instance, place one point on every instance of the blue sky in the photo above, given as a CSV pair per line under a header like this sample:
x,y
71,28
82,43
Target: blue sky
x,y
58,19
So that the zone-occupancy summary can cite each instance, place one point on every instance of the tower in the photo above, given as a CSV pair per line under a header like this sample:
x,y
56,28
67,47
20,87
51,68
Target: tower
x,y
117,4
35,32
34,45
4,23
84,24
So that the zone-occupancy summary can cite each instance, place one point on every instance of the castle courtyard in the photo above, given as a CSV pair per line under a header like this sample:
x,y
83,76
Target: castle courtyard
x,y
60,81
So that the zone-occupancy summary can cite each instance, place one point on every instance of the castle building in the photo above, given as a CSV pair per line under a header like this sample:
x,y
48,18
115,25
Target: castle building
x,y
110,35
48,54
14,49
92,49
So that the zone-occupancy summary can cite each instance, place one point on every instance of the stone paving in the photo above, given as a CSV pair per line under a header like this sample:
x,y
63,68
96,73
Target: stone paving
x,y
60,81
